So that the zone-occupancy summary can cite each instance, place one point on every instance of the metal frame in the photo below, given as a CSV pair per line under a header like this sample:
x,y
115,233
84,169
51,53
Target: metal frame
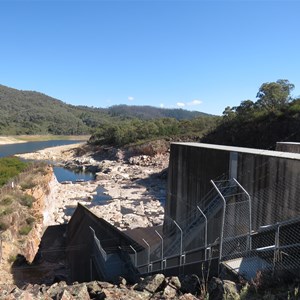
x,y
250,213
162,248
205,234
181,233
223,219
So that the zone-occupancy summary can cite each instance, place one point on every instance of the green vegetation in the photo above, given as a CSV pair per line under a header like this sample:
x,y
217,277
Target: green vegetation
x,y
28,113
13,199
3,226
9,168
134,130
275,116
6,201
24,230
30,220
150,112
26,200
28,183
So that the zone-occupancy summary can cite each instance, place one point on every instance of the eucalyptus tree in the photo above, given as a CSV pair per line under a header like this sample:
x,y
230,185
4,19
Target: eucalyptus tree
x,y
274,95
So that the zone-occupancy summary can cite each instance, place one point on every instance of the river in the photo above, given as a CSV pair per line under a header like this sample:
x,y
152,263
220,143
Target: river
x,y
62,174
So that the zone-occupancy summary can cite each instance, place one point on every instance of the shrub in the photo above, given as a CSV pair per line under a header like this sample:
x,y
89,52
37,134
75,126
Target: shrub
x,y
6,211
12,259
3,226
6,201
24,230
27,184
26,200
30,220
9,168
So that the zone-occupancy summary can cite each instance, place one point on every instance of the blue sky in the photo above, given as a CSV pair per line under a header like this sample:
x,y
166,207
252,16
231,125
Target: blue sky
x,y
198,55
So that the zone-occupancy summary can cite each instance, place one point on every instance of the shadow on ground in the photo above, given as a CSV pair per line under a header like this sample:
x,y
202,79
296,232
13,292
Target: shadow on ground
x,y
49,264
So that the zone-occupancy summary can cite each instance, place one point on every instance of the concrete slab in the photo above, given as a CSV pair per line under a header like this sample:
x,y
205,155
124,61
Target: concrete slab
x,y
289,155
247,266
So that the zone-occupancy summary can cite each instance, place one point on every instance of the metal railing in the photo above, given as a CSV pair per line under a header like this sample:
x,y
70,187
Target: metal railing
x,y
272,247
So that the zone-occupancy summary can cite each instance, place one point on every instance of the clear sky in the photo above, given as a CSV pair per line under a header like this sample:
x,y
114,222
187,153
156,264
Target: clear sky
x,y
199,55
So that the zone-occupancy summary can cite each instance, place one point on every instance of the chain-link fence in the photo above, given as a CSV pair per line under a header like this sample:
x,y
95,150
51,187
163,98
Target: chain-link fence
x,y
224,230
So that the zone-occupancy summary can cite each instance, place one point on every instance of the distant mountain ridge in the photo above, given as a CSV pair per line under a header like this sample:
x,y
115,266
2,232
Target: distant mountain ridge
x,y
30,112
150,112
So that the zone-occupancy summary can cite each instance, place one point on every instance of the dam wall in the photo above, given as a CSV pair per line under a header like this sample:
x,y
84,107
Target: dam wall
x,y
288,147
270,177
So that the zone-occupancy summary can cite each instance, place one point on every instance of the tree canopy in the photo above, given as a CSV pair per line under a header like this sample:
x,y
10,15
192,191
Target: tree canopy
x,y
274,95
275,116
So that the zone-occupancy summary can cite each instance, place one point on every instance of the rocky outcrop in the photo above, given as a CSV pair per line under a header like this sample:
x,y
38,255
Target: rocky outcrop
x,y
151,287
27,222
133,184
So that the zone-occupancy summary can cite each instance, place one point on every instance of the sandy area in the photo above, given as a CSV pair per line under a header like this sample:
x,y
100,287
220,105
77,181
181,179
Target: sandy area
x,y
134,186
5,140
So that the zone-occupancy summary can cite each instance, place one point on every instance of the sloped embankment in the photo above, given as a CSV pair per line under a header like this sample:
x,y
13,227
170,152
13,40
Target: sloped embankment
x,y
25,204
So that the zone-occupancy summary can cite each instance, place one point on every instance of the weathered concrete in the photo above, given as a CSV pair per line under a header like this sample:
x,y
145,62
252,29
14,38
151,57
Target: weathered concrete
x,y
80,249
288,147
270,177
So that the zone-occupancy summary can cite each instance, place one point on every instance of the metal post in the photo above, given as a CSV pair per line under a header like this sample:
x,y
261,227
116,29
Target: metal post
x,y
250,212
135,256
162,248
277,256
180,238
223,220
205,238
91,268
148,250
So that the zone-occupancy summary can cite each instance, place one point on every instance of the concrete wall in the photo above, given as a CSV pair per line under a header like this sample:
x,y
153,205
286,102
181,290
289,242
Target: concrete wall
x,y
271,178
80,244
288,147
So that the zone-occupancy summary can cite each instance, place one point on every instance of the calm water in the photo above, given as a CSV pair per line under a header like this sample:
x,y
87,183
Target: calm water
x,y
61,173
12,149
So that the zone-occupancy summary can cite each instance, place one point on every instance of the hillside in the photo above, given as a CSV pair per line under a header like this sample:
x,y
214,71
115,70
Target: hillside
x,y
150,112
274,117
30,112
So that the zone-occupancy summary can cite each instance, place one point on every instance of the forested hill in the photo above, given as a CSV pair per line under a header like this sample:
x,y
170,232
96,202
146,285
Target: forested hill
x,y
150,112
274,117
29,112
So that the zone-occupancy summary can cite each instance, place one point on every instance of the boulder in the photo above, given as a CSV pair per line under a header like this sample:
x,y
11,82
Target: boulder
x,y
219,290
79,291
151,284
190,284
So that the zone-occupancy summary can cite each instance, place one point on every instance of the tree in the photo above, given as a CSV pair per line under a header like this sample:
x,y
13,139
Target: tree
x,y
274,95
228,113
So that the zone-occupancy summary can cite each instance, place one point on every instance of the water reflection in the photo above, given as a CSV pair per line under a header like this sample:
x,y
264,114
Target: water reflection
x,y
63,174
12,149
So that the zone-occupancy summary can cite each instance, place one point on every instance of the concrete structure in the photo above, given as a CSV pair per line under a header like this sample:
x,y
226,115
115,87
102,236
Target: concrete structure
x,y
270,177
288,147
96,250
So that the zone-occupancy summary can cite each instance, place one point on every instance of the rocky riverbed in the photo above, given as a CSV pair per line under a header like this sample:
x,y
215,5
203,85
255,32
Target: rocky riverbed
x,y
129,190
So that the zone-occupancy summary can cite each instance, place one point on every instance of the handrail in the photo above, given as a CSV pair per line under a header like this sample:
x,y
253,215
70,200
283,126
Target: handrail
x,y
181,233
205,235
223,219
250,212
162,247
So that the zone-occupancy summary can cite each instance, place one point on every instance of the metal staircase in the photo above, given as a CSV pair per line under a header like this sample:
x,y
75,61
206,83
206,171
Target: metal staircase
x,y
227,190
195,225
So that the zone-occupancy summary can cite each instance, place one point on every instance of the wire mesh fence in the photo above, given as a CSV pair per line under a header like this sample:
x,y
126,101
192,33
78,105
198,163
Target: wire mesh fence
x,y
269,242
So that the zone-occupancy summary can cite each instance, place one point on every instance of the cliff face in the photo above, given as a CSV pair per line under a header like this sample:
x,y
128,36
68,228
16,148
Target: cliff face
x,y
25,224
43,211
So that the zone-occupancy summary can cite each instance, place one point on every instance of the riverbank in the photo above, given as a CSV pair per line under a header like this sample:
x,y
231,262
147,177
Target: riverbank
x,y
6,140
135,185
